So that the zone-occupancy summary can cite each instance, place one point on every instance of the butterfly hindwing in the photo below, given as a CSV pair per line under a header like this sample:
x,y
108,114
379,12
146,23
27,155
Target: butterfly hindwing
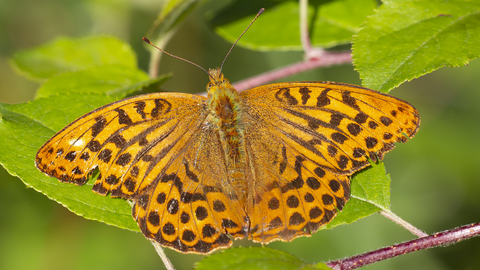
x,y
187,208
292,195
154,149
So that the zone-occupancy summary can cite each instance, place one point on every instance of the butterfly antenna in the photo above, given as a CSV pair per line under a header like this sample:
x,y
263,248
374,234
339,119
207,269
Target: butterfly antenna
x,y
178,57
231,48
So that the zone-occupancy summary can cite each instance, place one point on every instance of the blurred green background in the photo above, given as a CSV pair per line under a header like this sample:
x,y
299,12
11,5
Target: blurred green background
x,y
435,182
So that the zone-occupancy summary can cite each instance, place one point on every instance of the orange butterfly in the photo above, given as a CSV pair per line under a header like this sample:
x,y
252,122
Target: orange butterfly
x,y
270,163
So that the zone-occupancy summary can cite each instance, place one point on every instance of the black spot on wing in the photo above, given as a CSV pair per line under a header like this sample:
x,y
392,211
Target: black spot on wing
x,y
386,121
349,100
123,117
162,106
305,92
123,159
140,108
370,142
283,95
118,140
283,164
273,203
335,119
105,155
191,175
322,99
354,129
361,118
85,156
94,146
338,137
99,125
70,156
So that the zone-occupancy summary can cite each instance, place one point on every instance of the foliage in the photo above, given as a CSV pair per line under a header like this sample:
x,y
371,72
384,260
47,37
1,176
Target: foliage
x,y
399,41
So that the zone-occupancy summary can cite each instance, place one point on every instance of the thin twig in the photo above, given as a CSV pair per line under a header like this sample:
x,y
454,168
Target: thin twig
x,y
304,36
315,57
444,238
168,264
328,59
310,51
154,64
390,215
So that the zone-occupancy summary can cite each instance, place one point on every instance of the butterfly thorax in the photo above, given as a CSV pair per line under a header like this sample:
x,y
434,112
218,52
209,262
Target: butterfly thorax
x,y
226,115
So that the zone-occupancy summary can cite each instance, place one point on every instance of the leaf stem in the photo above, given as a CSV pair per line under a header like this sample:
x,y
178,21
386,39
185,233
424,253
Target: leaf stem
x,y
444,238
304,37
154,64
390,215
315,57
168,264
310,52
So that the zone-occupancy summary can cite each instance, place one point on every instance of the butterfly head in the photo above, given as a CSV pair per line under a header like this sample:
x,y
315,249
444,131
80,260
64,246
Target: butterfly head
x,y
218,82
223,99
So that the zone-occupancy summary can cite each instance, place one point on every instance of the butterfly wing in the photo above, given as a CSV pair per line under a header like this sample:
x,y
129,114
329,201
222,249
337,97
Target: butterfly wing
x,y
159,151
303,141
186,207
117,135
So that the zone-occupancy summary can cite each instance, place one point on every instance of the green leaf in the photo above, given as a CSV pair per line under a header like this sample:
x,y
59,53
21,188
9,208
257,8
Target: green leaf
x,y
110,79
372,186
173,12
407,39
67,55
321,266
254,258
370,194
25,127
331,23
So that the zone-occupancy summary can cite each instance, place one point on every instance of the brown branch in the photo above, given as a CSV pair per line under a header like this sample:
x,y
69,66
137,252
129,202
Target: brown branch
x,y
444,238
324,60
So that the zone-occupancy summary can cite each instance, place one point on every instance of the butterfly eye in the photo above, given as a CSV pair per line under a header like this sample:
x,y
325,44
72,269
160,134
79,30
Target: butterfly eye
x,y
209,85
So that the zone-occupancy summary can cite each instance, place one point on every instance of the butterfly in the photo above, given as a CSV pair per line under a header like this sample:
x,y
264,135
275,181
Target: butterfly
x,y
270,163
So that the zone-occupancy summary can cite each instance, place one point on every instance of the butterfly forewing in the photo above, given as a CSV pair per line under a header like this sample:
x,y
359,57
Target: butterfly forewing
x,y
117,138
340,124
